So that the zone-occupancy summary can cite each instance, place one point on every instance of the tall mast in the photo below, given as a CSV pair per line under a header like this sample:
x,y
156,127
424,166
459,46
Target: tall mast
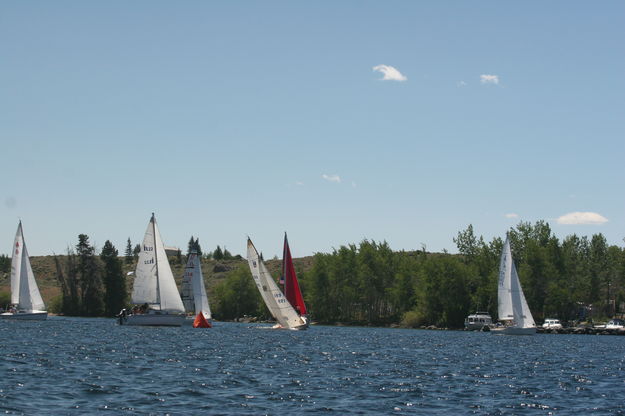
x,y
158,289
283,274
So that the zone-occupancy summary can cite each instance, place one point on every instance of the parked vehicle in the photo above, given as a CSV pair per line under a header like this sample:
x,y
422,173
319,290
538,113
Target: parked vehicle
x,y
478,321
552,324
615,324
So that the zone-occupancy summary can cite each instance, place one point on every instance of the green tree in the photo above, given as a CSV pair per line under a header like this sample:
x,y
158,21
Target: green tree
x,y
5,298
90,278
218,254
237,295
5,263
67,276
227,255
129,257
194,245
114,278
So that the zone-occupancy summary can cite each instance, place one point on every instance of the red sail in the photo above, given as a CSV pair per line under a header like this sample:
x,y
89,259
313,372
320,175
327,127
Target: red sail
x,y
201,322
291,286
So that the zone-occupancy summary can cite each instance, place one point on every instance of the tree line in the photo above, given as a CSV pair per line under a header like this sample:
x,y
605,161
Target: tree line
x,y
369,283
576,278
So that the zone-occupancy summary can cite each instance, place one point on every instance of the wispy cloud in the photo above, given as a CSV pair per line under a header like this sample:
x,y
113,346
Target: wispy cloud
x,y
489,79
390,73
512,215
591,218
331,178
298,183
461,84
353,184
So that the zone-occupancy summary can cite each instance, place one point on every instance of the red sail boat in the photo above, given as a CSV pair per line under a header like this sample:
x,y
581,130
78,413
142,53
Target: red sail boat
x,y
201,322
292,291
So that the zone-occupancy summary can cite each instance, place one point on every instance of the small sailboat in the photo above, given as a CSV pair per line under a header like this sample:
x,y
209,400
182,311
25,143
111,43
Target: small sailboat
x,y
277,303
26,302
154,286
512,306
194,293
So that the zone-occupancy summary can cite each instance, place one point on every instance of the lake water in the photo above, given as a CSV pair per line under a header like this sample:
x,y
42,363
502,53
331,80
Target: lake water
x,y
77,366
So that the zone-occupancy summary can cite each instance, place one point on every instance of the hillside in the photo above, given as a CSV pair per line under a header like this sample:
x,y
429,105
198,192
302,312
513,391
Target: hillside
x,y
214,272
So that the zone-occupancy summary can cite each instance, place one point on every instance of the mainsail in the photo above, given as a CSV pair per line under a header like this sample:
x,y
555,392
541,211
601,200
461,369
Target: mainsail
x,y
512,305
154,282
291,285
24,291
193,290
276,302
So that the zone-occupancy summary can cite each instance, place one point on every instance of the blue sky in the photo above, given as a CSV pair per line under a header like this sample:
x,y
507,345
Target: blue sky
x,y
230,119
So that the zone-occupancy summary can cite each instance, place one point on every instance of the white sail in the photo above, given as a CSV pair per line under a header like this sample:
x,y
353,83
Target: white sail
x,y
24,291
512,305
276,302
145,288
198,291
168,291
154,282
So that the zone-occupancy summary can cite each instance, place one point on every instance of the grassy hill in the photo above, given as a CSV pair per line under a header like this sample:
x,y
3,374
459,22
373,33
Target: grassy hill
x,y
214,271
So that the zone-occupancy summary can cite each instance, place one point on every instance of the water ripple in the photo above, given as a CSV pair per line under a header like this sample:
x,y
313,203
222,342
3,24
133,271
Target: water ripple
x,y
76,366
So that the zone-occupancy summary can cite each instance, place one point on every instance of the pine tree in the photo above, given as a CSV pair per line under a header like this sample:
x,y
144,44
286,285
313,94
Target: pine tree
x,y
129,256
218,254
194,245
114,279
5,263
190,246
197,247
89,275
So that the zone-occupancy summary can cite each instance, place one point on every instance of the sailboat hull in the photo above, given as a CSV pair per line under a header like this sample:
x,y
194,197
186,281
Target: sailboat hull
x,y
511,330
25,316
150,319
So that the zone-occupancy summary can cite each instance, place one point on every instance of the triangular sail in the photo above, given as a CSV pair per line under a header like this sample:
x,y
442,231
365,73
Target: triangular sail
x,y
198,290
291,285
168,291
24,291
276,302
201,322
144,289
512,305
154,282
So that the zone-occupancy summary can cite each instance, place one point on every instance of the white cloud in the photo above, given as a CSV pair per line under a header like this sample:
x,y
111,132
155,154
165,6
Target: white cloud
x,y
331,178
298,183
582,218
353,184
390,73
512,215
489,79
461,84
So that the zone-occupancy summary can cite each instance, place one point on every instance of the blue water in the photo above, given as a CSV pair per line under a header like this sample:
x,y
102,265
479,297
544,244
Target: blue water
x,y
78,366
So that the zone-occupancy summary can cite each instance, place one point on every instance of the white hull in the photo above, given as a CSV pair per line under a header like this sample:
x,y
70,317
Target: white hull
x,y
513,330
26,316
153,319
295,328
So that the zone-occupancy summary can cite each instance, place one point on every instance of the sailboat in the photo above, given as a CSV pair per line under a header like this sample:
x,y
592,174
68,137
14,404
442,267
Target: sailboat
x,y
26,302
154,286
194,293
513,310
277,303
